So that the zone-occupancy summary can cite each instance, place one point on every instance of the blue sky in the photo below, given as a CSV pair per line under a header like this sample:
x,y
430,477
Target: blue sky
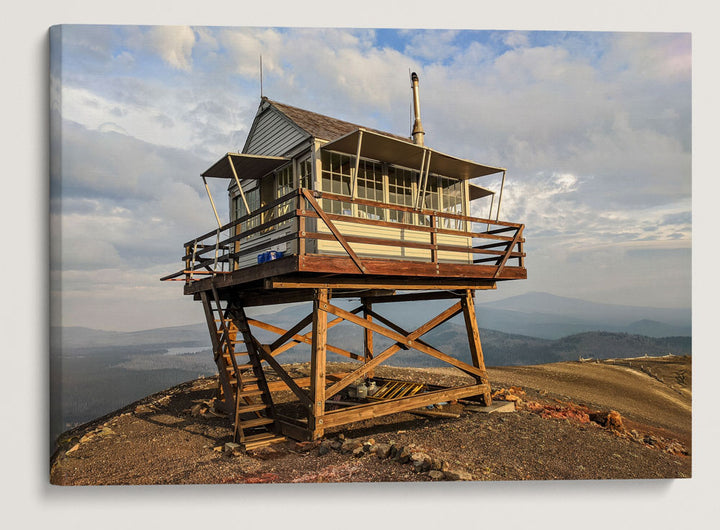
x,y
594,128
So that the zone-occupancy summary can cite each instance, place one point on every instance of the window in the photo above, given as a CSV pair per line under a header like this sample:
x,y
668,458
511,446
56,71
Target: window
x,y
336,179
444,195
370,186
305,173
285,183
238,208
452,201
400,192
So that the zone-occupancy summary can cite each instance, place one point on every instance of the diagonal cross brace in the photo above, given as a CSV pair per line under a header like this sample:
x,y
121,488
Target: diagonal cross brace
x,y
343,242
282,345
501,266
297,339
264,354
407,340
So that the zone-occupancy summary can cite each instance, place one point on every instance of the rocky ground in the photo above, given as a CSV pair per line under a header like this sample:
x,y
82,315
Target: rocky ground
x,y
621,419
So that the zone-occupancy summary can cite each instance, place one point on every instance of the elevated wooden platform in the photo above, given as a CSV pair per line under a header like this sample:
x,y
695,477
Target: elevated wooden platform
x,y
441,256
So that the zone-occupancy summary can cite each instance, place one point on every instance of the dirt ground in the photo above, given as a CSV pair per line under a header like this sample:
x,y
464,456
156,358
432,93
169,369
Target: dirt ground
x,y
563,428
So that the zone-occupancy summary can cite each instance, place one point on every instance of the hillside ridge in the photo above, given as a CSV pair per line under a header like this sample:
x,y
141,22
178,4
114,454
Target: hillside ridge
x,y
620,418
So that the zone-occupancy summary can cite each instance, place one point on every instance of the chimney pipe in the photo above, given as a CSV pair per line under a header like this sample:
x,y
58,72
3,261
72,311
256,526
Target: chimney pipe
x,y
418,133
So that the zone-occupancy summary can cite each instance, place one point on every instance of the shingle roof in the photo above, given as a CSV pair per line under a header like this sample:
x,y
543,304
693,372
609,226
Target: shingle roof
x,y
321,126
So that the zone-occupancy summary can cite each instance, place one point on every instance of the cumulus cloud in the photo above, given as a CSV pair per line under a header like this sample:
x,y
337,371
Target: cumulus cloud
x,y
173,44
432,45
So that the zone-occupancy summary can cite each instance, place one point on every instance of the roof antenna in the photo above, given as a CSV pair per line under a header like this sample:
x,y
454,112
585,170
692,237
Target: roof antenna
x,y
261,84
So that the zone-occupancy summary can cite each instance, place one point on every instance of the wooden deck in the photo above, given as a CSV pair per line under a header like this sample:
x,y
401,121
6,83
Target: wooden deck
x,y
491,250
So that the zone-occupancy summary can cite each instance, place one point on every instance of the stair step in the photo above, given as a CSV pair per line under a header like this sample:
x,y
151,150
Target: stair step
x,y
271,439
259,437
251,408
236,353
249,393
240,367
255,422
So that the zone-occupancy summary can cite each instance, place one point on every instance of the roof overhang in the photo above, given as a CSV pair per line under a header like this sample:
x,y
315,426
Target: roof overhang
x,y
407,154
246,166
478,192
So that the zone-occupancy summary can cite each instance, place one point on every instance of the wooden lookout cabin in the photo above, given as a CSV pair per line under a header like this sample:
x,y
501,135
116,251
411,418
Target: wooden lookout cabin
x,y
323,210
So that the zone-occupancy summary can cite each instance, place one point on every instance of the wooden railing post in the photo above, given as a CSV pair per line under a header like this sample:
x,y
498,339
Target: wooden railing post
x,y
433,239
301,206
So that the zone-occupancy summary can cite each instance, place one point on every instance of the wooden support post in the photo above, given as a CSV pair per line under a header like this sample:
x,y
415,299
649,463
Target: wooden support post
x,y
318,364
223,380
468,305
368,347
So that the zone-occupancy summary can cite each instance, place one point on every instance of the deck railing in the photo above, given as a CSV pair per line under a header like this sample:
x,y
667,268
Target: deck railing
x,y
489,242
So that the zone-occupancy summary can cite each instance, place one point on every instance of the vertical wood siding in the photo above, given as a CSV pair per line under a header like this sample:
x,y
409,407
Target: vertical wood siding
x,y
273,135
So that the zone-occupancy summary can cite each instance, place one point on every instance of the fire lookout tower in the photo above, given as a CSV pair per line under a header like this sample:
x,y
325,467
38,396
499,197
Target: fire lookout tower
x,y
320,210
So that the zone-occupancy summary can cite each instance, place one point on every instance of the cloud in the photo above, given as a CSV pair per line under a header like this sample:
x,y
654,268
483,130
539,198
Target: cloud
x,y
516,39
433,45
173,44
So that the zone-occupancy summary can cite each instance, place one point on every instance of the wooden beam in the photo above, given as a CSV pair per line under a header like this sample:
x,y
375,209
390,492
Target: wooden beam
x,y
415,297
408,226
515,240
264,354
473,333
433,240
465,272
368,348
307,339
244,218
366,283
401,340
318,363
408,341
410,209
376,409
432,246
294,431
302,382
217,353
331,226
292,331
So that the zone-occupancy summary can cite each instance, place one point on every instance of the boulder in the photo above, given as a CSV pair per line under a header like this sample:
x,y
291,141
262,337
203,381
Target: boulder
x,y
457,474
325,447
436,475
404,454
383,450
421,461
350,445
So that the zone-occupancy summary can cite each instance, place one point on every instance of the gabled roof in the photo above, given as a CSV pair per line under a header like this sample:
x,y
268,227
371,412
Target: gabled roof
x,y
341,136
321,126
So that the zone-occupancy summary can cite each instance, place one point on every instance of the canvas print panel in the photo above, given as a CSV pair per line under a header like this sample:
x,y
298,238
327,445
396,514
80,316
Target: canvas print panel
x,y
477,269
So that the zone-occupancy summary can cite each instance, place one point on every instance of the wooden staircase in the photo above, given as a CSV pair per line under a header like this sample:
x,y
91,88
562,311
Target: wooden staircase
x,y
244,391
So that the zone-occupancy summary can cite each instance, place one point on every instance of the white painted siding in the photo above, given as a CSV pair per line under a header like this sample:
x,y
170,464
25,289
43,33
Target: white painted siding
x,y
395,234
